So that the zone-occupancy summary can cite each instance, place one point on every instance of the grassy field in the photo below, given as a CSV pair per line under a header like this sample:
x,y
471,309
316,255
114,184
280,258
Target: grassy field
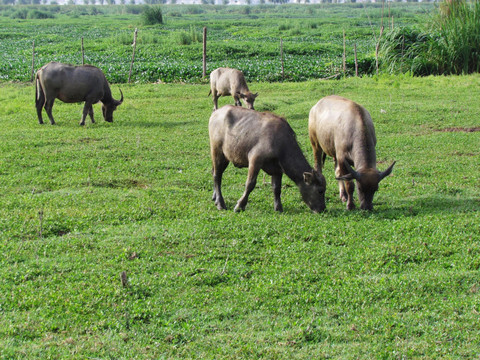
x,y
244,37
81,205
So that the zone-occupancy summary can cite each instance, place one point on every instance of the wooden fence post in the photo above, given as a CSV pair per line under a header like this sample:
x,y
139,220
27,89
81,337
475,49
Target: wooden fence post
x,y
33,61
133,54
356,59
377,48
344,54
204,58
83,53
281,59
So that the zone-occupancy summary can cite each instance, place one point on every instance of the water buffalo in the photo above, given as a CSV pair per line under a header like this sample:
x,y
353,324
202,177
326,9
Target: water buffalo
x,y
344,130
248,138
73,84
226,81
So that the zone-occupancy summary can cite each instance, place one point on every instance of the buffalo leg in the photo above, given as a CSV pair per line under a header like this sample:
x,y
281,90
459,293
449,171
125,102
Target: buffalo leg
x,y
237,100
215,100
219,166
90,113
249,186
39,104
277,190
346,187
86,110
48,109
318,155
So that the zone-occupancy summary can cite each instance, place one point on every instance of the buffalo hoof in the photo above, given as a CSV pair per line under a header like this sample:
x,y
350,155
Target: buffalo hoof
x,y
238,209
350,206
221,205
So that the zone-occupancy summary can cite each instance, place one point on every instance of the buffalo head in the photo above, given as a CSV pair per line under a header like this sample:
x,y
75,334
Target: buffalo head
x,y
249,99
367,183
110,107
313,190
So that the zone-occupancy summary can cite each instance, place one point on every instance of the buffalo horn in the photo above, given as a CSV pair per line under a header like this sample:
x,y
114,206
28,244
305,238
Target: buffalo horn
x,y
350,170
121,98
387,172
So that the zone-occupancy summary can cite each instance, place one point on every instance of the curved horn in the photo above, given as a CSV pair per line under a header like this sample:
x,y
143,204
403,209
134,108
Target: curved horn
x,y
352,172
387,172
121,99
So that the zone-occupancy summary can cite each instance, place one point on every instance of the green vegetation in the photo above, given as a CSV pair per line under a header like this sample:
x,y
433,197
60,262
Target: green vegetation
x,y
152,15
81,205
244,37
446,45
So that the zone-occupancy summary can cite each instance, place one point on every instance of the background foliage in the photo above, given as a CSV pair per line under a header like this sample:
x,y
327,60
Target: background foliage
x,y
447,44
244,37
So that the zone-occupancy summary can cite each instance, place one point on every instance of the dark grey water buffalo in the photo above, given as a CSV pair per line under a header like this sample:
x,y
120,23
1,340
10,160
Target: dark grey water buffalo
x,y
226,81
73,84
344,130
248,138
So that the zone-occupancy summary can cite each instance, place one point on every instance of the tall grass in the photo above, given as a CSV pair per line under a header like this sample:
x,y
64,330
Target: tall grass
x,y
456,31
448,44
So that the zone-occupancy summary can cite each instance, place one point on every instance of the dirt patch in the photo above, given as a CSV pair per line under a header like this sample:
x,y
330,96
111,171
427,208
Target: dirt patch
x,y
460,129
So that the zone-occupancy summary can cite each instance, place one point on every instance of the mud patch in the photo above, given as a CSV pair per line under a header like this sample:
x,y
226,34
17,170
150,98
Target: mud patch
x,y
460,129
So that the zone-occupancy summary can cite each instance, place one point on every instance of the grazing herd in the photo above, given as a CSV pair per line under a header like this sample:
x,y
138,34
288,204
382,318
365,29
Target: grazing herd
x,y
337,127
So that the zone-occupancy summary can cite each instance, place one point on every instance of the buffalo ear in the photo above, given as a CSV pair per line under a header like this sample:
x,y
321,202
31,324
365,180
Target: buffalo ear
x,y
387,172
309,178
255,95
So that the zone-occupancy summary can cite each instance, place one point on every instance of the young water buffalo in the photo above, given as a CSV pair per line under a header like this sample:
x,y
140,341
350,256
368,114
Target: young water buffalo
x,y
344,130
73,84
226,81
248,138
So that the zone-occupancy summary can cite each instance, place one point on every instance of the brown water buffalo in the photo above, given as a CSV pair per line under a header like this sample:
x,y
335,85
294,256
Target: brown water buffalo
x,y
248,138
73,84
344,130
226,81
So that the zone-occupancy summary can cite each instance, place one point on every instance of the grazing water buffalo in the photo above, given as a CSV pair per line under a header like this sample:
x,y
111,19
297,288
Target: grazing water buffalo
x,y
344,130
73,84
226,81
248,138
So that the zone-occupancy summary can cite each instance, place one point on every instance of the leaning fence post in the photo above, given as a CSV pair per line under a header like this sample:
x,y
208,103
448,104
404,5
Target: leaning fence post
x,y
204,58
33,60
83,53
133,54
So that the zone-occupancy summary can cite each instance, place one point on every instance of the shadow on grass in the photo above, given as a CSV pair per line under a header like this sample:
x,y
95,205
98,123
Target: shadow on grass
x,y
434,205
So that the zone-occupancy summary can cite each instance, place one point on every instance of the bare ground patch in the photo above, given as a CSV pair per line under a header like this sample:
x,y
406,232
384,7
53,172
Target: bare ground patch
x,y
460,129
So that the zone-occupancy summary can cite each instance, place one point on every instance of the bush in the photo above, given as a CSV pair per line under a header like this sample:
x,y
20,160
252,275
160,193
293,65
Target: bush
x,y
152,15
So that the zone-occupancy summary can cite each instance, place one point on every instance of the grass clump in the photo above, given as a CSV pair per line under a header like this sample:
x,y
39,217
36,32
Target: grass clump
x,y
152,15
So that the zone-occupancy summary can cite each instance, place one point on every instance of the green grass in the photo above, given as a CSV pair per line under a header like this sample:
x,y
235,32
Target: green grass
x,y
80,205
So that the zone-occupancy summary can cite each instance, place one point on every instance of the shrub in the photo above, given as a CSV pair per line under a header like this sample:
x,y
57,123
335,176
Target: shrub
x,y
152,15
